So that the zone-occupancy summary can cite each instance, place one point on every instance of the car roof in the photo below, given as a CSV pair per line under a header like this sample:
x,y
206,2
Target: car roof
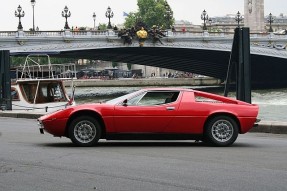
x,y
167,89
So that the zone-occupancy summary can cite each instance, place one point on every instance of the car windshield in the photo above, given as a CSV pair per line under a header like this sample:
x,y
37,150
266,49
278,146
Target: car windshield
x,y
122,98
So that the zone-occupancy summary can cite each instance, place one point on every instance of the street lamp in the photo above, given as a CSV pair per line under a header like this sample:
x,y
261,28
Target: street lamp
x,y
238,18
19,13
210,22
109,14
270,19
66,13
94,17
168,15
204,17
33,2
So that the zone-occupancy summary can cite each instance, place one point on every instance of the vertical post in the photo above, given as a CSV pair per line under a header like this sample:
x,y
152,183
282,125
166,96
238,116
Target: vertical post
x,y
5,80
239,69
246,64
243,68
239,65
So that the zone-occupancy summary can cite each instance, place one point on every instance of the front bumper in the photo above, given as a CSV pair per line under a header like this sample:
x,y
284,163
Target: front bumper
x,y
41,130
41,127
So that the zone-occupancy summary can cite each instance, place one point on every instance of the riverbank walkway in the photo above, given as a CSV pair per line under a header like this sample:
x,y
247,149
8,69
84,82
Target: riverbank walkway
x,y
275,127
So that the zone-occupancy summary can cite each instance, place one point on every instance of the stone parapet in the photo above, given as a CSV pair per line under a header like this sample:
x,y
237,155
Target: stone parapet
x,y
206,81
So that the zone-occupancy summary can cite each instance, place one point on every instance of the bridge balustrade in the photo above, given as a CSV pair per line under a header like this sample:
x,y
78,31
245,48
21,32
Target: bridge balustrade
x,y
7,33
16,41
114,33
43,33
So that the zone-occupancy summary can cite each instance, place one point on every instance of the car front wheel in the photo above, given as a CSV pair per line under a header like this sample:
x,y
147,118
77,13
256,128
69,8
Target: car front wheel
x,y
221,131
85,131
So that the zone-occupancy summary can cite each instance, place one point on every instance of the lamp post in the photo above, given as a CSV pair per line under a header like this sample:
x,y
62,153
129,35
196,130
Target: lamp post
x,y
94,17
66,13
238,19
270,19
33,2
168,15
19,13
210,22
109,15
204,17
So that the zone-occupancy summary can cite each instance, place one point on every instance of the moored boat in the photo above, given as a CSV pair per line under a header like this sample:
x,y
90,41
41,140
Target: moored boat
x,y
40,87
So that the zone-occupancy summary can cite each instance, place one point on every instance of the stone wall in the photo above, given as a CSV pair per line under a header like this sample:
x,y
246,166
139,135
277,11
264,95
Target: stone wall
x,y
205,81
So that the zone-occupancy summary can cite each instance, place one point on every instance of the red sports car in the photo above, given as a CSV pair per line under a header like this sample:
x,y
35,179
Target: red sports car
x,y
155,114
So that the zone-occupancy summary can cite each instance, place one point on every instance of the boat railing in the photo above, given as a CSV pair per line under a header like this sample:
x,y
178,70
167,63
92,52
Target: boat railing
x,y
32,69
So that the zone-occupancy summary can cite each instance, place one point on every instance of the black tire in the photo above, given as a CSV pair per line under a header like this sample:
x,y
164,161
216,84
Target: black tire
x,y
85,131
221,131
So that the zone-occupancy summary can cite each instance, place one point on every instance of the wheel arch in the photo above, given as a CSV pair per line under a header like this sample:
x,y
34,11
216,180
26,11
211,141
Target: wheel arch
x,y
90,113
232,116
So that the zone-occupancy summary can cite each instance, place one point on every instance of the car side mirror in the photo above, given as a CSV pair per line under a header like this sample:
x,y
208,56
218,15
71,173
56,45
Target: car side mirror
x,y
125,102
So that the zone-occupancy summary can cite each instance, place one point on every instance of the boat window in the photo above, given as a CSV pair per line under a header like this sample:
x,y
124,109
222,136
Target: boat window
x,y
52,92
14,95
47,92
29,91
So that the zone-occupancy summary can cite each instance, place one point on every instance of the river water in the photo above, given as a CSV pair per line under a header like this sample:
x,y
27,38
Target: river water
x,y
272,102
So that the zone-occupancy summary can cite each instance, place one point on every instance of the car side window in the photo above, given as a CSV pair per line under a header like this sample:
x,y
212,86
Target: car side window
x,y
135,100
154,98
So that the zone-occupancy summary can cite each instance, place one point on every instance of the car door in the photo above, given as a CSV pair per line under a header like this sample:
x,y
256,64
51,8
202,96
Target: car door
x,y
148,112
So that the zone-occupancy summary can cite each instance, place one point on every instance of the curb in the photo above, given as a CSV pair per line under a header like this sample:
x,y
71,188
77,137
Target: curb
x,y
21,115
274,127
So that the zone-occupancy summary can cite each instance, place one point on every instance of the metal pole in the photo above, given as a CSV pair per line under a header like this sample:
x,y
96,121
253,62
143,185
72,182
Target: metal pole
x,y
33,20
5,81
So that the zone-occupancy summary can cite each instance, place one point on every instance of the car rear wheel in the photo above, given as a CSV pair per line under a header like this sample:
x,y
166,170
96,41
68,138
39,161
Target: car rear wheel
x,y
221,131
85,131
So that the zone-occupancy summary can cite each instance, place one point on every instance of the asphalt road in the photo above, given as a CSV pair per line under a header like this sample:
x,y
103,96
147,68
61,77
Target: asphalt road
x,y
31,161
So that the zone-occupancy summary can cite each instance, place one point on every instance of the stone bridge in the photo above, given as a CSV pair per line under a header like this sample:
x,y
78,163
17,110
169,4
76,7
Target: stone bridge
x,y
203,53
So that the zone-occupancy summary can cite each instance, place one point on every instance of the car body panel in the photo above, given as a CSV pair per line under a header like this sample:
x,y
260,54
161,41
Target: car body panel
x,y
185,115
145,119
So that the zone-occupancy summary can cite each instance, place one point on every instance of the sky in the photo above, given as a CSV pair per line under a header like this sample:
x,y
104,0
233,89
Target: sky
x,y
48,12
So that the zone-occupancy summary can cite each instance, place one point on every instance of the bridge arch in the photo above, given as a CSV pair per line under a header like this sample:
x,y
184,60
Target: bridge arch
x,y
206,62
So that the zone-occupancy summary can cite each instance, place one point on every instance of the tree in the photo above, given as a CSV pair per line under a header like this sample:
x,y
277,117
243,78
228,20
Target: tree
x,y
17,61
102,27
151,12
131,20
114,64
129,65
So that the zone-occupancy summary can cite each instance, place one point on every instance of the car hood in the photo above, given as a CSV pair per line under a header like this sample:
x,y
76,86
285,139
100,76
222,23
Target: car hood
x,y
65,113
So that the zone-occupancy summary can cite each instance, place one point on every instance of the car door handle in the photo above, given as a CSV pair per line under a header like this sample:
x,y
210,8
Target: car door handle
x,y
170,108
